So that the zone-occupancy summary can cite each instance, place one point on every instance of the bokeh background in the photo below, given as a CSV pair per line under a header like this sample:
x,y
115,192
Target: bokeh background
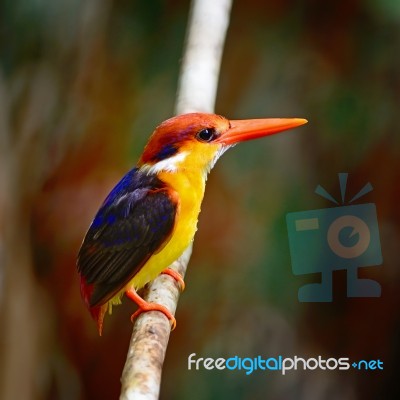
x,y
84,83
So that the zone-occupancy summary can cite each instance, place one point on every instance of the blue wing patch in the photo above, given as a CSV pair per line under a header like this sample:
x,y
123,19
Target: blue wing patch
x,y
135,220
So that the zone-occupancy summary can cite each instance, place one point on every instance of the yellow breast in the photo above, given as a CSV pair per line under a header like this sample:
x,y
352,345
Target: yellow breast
x,y
190,188
186,174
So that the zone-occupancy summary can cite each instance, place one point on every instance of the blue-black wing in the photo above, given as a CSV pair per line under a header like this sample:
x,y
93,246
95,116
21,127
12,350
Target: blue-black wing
x,y
135,220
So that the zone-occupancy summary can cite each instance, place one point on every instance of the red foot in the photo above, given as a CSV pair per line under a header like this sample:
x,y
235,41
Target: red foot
x,y
144,306
176,275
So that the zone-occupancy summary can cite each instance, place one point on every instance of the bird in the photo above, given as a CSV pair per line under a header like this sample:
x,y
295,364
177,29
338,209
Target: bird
x,y
150,217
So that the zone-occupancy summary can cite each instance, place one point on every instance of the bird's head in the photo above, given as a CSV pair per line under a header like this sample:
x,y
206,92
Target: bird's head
x,y
197,140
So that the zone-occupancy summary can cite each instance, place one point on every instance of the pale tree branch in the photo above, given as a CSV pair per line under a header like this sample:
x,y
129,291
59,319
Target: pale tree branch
x,y
208,23
202,59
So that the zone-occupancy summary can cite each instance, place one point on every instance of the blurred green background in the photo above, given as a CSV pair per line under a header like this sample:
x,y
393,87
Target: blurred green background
x,y
82,86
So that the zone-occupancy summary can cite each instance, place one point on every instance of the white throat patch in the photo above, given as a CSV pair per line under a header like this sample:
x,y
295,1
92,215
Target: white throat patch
x,y
217,155
170,164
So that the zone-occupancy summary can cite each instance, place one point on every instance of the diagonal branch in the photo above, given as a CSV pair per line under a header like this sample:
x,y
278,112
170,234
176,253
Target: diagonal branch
x,y
199,75
209,19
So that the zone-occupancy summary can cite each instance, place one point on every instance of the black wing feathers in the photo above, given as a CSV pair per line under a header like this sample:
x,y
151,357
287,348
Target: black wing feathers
x,y
134,221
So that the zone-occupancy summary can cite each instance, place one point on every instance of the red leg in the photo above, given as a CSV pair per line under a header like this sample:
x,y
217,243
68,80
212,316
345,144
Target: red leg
x,y
176,275
144,306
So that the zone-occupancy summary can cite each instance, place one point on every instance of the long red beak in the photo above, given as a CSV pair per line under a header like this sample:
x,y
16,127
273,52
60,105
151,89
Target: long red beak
x,y
248,129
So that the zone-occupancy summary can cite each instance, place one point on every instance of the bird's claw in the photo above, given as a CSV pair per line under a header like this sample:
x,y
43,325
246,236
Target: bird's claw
x,y
177,276
145,306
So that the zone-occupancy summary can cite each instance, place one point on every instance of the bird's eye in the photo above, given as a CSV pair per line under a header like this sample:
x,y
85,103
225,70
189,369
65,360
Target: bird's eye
x,y
207,135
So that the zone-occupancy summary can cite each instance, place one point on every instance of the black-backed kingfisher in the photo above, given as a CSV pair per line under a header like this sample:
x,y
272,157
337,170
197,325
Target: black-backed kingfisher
x,y
150,217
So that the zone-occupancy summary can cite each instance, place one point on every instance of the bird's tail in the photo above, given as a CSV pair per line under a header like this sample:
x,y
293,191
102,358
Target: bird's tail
x,y
98,311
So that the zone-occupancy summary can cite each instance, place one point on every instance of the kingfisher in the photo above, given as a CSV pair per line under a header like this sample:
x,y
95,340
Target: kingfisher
x,y
150,217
